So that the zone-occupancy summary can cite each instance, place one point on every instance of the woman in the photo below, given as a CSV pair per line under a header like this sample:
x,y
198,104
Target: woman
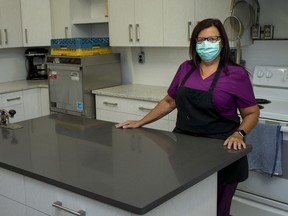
x,y
208,90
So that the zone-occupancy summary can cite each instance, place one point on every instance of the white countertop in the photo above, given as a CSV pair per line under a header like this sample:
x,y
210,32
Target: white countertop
x,y
22,85
135,91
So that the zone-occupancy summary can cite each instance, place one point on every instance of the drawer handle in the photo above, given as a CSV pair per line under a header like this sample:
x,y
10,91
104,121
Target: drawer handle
x,y
12,99
145,108
58,204
110,103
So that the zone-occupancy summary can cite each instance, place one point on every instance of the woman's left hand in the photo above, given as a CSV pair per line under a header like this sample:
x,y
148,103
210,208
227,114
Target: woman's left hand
x,y
235,141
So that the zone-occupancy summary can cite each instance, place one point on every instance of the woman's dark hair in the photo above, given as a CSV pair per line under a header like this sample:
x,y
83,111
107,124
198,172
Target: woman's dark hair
x,y
225,51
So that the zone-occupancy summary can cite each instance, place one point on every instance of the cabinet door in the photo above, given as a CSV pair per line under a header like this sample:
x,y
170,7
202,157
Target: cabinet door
x,y
121,23
14,100
12,185
212,9
41,196
61,20
178,22
149,22
45,109
135,23
11,208
10,24
36,22
32,103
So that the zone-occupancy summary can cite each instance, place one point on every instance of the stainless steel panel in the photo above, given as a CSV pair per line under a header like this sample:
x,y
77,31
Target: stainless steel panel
x,y
71,84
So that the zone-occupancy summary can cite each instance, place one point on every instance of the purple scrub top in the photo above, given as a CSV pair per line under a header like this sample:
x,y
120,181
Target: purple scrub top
x,y
233,89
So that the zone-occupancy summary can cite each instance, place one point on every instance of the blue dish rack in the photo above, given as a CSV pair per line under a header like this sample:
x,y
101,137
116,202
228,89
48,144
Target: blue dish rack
x,y
80,43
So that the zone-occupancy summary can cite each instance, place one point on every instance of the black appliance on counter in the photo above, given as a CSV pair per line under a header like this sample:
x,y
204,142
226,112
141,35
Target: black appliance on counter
x,y
35,63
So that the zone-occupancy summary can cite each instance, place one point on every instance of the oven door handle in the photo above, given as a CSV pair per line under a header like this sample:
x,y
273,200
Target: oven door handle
x,y
284,129
284,125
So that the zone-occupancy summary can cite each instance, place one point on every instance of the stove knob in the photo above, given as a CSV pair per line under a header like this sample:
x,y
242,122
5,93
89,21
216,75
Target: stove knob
x,y
286,76
260,73
268,74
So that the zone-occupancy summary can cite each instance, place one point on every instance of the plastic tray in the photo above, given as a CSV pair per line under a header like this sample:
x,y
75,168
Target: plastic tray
x,y
80,43
81,52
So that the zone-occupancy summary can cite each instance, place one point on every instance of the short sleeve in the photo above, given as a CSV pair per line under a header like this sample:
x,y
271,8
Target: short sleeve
x,y
181,72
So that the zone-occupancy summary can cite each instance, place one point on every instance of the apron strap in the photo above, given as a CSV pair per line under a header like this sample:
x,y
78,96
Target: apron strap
x,y
187,76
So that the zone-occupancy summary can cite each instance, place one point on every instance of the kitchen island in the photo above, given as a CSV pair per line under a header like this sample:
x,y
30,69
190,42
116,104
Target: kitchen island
x,y
121,172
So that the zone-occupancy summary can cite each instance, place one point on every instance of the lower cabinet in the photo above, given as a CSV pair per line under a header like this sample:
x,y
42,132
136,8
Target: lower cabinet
x,y
24,196
15,101
28,104
11,207
115,109
40,196
12,194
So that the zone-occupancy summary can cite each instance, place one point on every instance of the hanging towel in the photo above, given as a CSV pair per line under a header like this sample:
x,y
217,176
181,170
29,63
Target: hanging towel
x,y
266,156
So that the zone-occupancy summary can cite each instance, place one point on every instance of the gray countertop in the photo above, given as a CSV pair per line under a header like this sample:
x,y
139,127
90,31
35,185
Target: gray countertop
x,y
135,169
22,85
134,91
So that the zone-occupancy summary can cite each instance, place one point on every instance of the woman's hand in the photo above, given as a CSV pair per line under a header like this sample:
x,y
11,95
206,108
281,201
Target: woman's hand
x,y
129,124
235,141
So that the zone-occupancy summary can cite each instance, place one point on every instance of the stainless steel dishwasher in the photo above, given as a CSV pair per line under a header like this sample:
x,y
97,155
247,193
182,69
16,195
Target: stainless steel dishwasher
x,y
72,79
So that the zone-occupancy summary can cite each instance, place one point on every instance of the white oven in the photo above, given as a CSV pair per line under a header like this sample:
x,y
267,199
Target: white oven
x,y
262,195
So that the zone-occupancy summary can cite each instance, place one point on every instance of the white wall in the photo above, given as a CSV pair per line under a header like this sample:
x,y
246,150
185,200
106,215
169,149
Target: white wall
x,y
12,65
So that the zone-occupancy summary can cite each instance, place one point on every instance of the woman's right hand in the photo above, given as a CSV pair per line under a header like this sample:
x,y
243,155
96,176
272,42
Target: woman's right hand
x,y
129,124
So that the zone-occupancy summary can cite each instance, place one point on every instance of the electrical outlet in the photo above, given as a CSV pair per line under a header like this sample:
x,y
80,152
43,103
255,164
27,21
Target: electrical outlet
x,y
141,57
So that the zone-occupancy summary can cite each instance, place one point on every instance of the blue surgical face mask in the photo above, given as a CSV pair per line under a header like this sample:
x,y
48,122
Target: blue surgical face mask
x,y
207,50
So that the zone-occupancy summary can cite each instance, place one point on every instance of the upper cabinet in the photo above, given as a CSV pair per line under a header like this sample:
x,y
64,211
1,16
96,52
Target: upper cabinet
x,y
178,22
79,18
160,22
136,22
10,24
36,22
219,9
61,20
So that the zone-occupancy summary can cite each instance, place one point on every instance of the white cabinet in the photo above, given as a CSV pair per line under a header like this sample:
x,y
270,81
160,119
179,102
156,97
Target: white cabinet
x,y
11,208
12,185
28,104
178,22
117,110
36,102
61,20
136,22
10,24
41,196
212,9
32,101
14,100
36,22
45,107
78,18
160,22
12,193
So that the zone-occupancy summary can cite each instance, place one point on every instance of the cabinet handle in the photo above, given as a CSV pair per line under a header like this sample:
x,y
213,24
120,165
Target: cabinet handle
x,y
130,33
189,30
66,32
144,108
110,103
0,37
58,204
6,36
137,32
26,36
12,99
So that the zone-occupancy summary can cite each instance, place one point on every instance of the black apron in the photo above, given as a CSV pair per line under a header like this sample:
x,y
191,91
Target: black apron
x,y
198,116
